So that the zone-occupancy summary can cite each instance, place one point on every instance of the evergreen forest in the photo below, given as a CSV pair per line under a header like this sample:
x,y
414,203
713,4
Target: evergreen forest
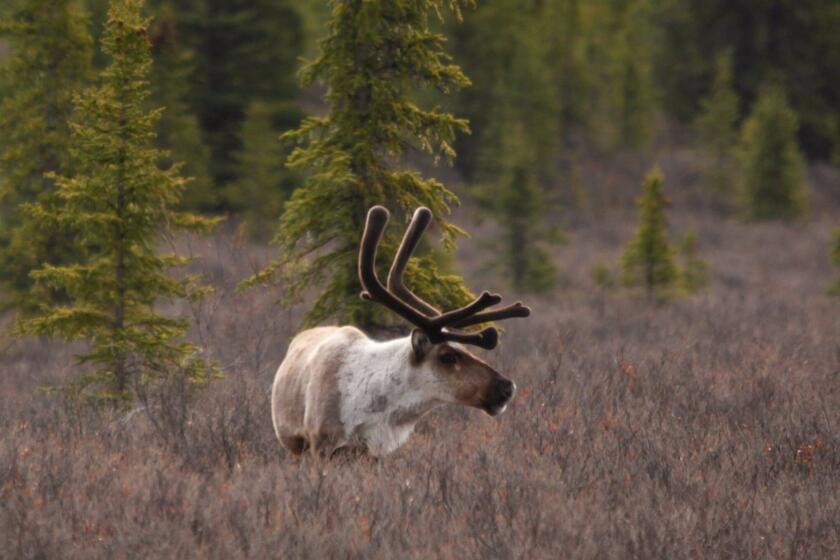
x,y
183,188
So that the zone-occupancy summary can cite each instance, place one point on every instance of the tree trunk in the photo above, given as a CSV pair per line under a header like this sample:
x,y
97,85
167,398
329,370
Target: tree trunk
x,y
120,366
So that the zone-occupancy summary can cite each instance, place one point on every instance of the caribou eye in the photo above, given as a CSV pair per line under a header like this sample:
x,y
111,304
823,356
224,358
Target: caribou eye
x,y
448,358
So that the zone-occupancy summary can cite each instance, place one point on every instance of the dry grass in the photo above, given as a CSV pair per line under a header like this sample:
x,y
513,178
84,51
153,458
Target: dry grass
x,y
705,428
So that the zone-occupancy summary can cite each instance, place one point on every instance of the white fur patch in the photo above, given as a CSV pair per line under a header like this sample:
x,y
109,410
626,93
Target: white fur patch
x,y
379,387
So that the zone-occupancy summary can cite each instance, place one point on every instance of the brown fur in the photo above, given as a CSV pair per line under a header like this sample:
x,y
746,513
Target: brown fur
x,y
304,417
470,378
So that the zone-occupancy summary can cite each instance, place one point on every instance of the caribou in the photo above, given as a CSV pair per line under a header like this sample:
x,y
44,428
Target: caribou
x,y
339,389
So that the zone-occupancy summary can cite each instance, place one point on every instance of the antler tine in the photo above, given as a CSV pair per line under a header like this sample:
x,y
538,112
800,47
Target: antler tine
x,y
513,310
396,285
451,318
377,219
487,338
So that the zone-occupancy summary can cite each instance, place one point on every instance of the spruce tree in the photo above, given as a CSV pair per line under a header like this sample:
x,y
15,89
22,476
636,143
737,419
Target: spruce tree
x,y
178,132
648,260
564,33
515,199
515,108
264,182
521,212
376,53
793,41
117,204
634,105
772,182
508,51
244,51
619,58
633,54
50,58
717,125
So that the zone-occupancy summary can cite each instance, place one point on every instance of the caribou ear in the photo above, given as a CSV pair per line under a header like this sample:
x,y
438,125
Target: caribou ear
x,y
420,344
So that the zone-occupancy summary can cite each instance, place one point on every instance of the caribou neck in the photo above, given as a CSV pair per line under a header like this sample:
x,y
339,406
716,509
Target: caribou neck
x,y
390,388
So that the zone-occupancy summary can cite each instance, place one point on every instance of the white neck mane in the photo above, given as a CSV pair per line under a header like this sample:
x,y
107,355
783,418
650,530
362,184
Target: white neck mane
x,y
383,394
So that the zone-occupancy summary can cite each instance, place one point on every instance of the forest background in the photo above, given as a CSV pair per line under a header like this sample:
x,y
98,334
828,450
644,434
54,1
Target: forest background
x,y
658,179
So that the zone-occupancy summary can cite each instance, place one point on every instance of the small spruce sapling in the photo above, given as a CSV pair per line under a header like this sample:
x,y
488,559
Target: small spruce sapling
x,y
264,182
516,201
648,260
117,205
772,182
521,214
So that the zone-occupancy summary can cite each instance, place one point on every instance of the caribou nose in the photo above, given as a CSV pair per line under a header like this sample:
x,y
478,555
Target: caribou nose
x,y
505,389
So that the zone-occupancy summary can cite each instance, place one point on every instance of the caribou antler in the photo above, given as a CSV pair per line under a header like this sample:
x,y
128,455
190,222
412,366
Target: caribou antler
x,y
403,302
419,222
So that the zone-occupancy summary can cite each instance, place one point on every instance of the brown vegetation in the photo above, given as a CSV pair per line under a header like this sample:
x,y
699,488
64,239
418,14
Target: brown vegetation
x,y
709,427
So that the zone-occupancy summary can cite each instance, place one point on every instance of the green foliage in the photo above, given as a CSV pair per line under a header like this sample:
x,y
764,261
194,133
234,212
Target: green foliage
x,y
565,30
521,213
607,68
373,57
694,271
794,42
772,182
648,260
314,16
506,49
50,58
566,67
717,125
116,205
244,51
634,104
516,201
564,34
514,108
264,182
619,104
835,256
178,132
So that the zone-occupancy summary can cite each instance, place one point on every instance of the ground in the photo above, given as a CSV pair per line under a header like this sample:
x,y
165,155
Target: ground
x,y
707,427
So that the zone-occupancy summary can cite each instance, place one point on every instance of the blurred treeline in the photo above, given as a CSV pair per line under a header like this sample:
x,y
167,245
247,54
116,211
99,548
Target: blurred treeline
x,y
550,78
225,70
606,68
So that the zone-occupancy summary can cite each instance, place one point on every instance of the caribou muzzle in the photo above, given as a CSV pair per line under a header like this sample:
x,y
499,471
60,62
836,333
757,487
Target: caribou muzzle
x,y
499,397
